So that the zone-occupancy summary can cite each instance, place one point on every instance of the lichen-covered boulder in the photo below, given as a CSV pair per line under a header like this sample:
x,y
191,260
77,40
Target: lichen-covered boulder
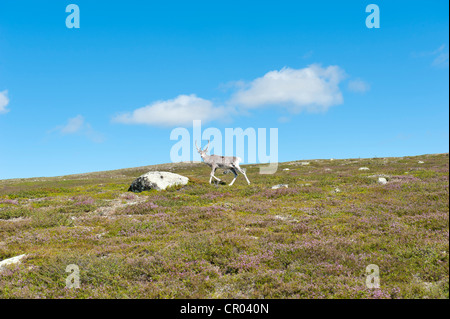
x,y
157,180
11,261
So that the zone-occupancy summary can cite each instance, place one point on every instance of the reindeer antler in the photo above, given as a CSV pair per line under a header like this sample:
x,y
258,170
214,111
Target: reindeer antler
x,y
206,149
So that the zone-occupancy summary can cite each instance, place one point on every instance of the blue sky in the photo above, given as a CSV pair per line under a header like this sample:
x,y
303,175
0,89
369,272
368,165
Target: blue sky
x,y
333,87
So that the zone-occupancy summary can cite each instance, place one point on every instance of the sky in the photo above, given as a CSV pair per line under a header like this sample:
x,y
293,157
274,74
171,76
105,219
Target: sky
x,y
107,95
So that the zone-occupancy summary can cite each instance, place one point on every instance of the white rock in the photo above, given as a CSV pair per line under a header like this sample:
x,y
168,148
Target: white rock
x,y
420,162
285,169
304,163
280,186
380,175
331,159
382,180
337,190
157,180
11,261
363,168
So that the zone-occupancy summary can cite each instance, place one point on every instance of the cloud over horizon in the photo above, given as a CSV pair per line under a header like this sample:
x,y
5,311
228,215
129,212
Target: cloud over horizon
x,y
4,101
313,89
181,110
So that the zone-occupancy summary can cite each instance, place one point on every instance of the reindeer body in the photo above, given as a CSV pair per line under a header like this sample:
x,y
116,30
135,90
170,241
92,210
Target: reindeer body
x,y
224,162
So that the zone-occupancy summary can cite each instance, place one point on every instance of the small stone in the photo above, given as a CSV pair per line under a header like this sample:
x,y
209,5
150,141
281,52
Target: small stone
x,y
337,190
227,205
421,162
382,180
280,186
285,169
363,168
304,163
380,175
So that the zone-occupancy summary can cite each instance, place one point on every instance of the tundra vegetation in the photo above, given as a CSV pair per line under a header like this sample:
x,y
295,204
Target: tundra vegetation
x,y
247,241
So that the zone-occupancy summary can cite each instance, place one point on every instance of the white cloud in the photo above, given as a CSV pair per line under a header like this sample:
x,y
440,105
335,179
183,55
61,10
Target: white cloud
x,y
73,125
181,110
358,86
4,101
441,60
77,125
313,89
440,56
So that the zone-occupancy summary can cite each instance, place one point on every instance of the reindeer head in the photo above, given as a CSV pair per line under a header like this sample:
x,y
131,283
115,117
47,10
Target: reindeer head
x,y
200,151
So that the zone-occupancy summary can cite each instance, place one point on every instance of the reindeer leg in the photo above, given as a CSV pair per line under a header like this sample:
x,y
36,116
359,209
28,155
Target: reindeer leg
x,y
212,175
235,176
243,172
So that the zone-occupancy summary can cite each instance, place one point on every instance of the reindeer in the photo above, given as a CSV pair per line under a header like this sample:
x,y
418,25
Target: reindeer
x,y
226,162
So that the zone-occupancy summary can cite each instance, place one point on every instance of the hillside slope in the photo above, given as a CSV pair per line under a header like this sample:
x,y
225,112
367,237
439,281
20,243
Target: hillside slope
x,y
311,240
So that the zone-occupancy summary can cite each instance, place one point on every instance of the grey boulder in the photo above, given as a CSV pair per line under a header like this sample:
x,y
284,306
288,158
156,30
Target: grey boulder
x,y
157,180
11,261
